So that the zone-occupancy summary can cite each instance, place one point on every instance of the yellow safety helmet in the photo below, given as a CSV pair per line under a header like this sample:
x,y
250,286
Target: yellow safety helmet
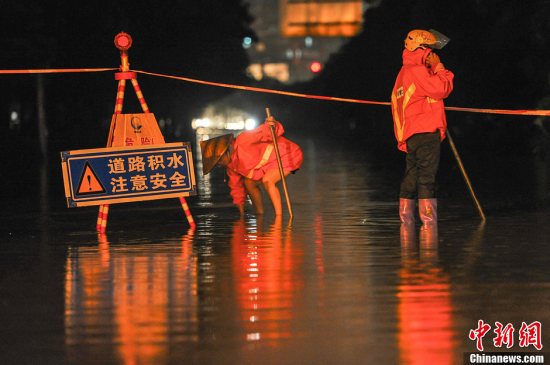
x,y
419,38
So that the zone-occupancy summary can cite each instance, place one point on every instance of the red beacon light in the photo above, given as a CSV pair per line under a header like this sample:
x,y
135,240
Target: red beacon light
x,y
123,41
315,67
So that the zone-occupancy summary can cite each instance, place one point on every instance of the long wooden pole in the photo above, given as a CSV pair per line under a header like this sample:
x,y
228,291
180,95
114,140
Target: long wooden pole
x,y
465,175
279,162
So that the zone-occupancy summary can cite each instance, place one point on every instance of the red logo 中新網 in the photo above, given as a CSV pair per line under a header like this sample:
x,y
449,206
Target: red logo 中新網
x,y
528,334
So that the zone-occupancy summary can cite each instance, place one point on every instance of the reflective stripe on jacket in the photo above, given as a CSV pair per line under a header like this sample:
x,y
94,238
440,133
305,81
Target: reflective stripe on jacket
x,y
417,98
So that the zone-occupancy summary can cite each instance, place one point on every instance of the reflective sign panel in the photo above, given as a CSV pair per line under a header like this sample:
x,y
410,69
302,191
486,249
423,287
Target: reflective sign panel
x,y
126,174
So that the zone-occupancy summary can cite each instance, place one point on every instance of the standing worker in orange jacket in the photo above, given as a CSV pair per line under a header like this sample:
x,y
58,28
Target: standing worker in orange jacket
x,y
251,162
419,121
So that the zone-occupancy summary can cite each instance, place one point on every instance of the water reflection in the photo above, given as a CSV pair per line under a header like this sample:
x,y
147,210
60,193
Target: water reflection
x,y
337,287
127,300
424,310
265,266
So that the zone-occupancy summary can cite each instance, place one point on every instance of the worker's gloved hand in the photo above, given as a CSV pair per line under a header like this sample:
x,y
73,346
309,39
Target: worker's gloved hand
x,y
439,67
270,120
433,62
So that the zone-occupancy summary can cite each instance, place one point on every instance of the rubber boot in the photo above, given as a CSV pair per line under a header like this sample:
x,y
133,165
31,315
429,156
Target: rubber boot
x,y
427,208
406,210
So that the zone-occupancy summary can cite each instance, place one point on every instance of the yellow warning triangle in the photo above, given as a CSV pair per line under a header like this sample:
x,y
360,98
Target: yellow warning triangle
x,y
89,183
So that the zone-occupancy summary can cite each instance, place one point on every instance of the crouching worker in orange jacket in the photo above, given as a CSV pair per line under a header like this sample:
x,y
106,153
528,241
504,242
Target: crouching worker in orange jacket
x,y
250,162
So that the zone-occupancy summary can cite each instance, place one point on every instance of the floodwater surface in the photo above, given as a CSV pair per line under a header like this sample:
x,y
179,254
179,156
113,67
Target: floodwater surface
x,y
342,282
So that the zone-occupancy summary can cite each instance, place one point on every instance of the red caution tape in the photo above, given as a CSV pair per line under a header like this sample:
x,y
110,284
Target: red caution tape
x,y
278,92
57,70
539,112
262,90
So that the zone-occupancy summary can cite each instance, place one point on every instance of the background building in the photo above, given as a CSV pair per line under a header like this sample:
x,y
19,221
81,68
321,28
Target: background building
x,y
296,37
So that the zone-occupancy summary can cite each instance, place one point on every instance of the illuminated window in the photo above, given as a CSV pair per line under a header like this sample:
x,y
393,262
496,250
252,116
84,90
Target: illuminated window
x,y
277,71
300,18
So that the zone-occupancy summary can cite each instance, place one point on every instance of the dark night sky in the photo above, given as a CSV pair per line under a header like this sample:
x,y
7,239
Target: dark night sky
x,y
499,52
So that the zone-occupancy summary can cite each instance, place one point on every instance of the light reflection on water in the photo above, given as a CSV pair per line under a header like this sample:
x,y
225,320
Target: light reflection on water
x,y
425,329
343,283
130,298
258,286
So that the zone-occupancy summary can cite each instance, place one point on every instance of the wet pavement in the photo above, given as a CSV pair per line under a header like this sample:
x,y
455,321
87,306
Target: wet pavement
x,y
340,283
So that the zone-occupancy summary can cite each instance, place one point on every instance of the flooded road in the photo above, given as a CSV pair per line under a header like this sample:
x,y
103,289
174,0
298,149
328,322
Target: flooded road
x,y
340,283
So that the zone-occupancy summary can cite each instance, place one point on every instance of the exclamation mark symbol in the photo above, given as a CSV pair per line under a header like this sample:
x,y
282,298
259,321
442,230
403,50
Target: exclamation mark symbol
x,y
90,178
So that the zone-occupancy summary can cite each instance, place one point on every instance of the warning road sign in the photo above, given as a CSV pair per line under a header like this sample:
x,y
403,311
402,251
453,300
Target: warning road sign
x,y
125,174
89,182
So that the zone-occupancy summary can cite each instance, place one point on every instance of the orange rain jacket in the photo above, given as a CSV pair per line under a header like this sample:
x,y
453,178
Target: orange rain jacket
x,y
417,98
254,153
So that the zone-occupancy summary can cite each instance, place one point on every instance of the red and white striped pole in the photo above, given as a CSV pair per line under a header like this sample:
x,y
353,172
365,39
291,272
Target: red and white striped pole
x,y
123,42
187,212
